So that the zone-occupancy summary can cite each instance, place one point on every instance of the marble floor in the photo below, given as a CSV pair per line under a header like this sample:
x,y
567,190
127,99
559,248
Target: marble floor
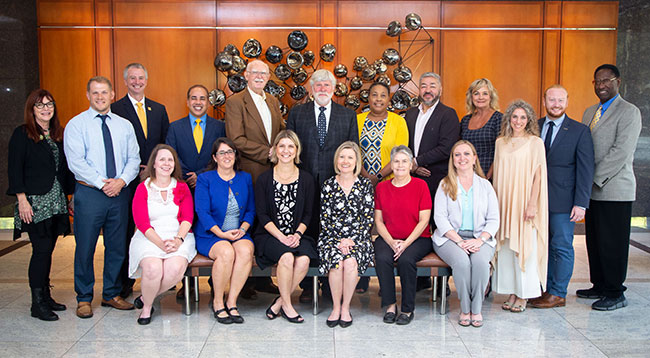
x,y
571,331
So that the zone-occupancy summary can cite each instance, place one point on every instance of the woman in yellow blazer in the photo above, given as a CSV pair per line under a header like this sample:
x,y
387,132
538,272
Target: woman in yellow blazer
x,y
379,131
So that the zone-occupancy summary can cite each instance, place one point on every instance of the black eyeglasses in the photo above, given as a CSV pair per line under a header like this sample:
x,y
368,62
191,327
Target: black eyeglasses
x,y
226,152
40,105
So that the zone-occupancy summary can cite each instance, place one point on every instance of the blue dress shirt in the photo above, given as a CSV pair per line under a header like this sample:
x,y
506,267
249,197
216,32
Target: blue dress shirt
x,y
202,124
557,123
84,148
607,104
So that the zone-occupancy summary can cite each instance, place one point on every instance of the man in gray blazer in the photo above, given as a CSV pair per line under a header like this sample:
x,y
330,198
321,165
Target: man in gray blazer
x,y
615,127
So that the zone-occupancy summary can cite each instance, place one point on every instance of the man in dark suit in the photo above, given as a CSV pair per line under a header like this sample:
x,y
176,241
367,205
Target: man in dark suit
x,y
253,120
192,136
433,130
615,127
321,125
150,122
570,167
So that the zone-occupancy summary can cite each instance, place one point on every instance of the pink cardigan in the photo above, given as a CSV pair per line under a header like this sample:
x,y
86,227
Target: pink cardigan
x,y
182,198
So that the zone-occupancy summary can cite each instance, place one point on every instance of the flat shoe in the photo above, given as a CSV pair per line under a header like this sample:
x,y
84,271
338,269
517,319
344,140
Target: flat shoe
x,y
222,320
236,318
332,324
146,321
138,302
390,317
464,322
404,318
345,324
478,323
297,319
269,312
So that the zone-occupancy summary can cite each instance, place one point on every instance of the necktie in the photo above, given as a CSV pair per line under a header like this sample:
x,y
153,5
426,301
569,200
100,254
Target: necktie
x,y
198,135
322,126
108,147
599,113
143,118
549,135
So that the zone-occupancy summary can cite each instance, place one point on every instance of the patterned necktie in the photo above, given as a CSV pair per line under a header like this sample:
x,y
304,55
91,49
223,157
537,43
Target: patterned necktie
x,y
198,135
143,118
322,127
108,147
549,135
599,113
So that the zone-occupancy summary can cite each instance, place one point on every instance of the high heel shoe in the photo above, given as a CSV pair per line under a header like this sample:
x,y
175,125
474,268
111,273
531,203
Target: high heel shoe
x,y
269,312
138,302
297,319
146,321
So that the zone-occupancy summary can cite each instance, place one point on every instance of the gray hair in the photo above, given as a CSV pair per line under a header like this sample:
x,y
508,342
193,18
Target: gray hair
x,y
401,149
431,74
135,65
322,75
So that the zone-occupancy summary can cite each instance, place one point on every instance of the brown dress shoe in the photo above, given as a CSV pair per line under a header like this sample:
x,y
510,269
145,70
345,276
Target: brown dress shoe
x,y
549,301
84,310
538,299
117,302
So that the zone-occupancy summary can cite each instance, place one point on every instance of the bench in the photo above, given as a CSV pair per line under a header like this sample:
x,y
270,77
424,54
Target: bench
x,y
430,266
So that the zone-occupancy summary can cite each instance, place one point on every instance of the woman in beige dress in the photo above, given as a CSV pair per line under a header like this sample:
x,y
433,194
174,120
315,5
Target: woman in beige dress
x,y
520,184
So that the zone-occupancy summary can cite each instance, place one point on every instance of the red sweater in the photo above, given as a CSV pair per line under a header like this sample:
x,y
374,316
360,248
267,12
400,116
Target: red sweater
x,y
400,207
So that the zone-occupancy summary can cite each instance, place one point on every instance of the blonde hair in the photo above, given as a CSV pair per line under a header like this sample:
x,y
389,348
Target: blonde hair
x,y
291,135
357,152
532,128
477,84
450,182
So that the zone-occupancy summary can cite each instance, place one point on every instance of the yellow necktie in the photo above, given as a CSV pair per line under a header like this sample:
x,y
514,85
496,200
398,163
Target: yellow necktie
x,y
599,112
198,135
143,118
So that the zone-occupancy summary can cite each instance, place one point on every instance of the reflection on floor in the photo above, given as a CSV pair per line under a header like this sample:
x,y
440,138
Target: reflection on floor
x,y
571,331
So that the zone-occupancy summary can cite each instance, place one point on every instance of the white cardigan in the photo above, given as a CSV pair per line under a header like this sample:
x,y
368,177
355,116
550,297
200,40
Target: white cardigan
x,y
448,215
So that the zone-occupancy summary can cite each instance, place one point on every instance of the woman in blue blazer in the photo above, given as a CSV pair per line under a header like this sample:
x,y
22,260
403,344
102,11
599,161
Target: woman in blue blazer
x,y
466,212
225,207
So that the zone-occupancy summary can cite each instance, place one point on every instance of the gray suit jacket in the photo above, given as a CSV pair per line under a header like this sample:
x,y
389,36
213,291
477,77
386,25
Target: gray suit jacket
x,y
615,137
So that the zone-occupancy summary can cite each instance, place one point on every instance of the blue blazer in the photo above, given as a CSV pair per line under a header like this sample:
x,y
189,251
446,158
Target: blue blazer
x,y
211,201
157,124
570,166
181,138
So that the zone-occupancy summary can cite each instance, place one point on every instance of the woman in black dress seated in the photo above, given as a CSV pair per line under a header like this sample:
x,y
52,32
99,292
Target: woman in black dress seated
x,y
283,213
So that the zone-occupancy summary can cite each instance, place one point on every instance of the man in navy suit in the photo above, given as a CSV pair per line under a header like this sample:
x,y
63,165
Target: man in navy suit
x,y
150,122
322,125
193,144
570,163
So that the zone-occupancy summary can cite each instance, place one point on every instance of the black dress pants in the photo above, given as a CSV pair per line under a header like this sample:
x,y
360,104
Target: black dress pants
x,y
384,265
43,237
608,244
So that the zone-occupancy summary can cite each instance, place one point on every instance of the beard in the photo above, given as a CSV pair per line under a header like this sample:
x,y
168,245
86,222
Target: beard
x,y
430,102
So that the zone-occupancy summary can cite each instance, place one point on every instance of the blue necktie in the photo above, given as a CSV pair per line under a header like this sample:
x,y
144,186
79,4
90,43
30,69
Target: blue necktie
x,y
549,135
322,127
108,148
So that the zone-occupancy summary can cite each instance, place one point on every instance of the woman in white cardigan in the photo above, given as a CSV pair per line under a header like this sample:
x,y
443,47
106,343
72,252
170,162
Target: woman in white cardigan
x,y
466,213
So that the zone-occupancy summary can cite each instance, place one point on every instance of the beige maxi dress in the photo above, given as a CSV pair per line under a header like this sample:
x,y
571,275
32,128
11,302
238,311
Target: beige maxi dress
x,y
521,258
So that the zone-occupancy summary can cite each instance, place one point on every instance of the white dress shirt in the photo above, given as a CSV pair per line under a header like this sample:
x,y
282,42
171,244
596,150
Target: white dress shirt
x,y
420,123
328,110
263,110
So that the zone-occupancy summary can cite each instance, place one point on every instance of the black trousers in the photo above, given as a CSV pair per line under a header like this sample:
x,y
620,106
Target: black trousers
x,y
130,231
43,237
384,265
608,244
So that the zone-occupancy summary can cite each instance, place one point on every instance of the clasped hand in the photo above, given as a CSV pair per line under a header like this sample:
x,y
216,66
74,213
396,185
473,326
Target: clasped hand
x,y
472,245
292,240
171,245
233,235
112,187
345,246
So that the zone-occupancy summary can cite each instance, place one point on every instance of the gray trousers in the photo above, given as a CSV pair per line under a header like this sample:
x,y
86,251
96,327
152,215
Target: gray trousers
x,y
471,273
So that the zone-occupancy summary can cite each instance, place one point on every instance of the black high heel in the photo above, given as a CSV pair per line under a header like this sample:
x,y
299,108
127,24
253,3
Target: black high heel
x,y
269,312
138,302
296,319
146,321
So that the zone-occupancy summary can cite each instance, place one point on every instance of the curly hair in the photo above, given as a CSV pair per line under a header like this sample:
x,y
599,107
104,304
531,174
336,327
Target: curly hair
x,y
532,128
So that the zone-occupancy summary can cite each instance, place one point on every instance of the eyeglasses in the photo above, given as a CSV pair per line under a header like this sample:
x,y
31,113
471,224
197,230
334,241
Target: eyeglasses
x,y
40,105
605,81
261,73
226,152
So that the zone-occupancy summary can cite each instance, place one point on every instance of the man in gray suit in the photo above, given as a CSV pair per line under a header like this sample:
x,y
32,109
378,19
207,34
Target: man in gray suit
x,y
615,127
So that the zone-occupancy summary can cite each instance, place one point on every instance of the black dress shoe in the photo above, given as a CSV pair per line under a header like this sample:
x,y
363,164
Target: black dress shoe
x,y
222,320
296,319
306,296
236,318
390,317
404,318
146,321
269,312
609,303
138,302
345,324
589,293
332,324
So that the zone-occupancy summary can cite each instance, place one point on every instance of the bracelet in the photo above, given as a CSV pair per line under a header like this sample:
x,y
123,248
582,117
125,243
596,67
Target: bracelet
x,y
242,229
298,233
180,238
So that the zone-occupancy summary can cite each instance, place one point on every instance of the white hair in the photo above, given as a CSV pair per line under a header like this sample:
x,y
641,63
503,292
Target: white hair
x,y
322,75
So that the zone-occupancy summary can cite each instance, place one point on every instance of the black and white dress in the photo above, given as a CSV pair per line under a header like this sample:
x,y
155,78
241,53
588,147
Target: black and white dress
x,y
346,216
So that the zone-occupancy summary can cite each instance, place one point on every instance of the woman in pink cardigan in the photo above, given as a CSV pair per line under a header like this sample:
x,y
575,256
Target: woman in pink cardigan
x,y
162,246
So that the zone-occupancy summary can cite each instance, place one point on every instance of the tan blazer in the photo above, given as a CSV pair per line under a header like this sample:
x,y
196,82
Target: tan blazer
x,y
615,137
245,128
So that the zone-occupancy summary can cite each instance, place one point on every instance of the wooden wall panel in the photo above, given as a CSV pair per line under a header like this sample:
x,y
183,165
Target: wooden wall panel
x,y
581,53
103,13
164,13
61,13
65,75
468,55
553,14
268,13
381,14
104,54
550,60
175,60
492,13
590,14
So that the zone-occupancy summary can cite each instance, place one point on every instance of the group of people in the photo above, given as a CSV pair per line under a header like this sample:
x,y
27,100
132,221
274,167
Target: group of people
x,y
490,194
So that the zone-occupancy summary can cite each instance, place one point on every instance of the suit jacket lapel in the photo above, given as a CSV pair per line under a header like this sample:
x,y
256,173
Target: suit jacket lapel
x,y
137,126
209,133
276,117
561,133
430,122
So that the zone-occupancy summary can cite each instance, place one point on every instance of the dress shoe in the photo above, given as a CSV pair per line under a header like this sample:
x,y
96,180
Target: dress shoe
x,y
236,318
404,319
117,302
269,312
345,324
609,303
590,293
138,302
295,319
248,293
306,296
549,301
390,317
332,323
540,298
146,321
223,320
47,295
84,310
40,308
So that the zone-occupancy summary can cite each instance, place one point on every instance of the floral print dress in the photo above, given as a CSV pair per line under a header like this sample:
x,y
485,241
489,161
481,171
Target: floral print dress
x,y
346,216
